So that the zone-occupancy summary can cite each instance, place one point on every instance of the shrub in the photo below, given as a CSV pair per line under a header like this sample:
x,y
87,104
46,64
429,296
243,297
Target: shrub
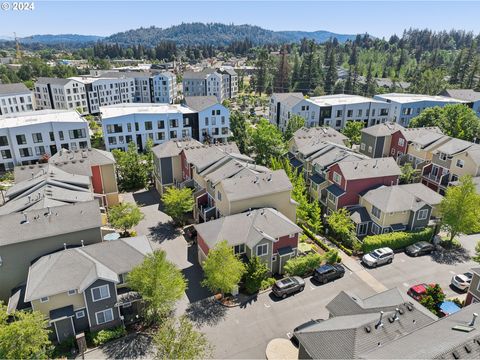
x,y
396,240
256,272
315,238
332,257
303,265
341,246
267,283
101,337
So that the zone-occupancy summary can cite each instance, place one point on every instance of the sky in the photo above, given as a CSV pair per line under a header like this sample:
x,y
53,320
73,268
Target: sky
x,y
378,18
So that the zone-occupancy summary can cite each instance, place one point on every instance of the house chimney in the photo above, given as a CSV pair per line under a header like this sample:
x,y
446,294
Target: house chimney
x,y
379,323
471,323
64,246
82,243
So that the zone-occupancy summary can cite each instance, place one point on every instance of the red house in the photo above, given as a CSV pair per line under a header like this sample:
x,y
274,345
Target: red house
x,y
404,136
350,178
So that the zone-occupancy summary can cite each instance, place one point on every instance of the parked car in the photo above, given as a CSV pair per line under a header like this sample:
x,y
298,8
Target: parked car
x,y
419,248
378,257
294,339
417,291
462,281
327,273
289,285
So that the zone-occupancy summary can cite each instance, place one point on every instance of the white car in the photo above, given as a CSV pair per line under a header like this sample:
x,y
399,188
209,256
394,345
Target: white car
x,y
378,257
462,281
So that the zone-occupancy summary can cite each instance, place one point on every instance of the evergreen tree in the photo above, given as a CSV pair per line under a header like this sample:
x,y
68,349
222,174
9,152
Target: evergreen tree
x,y
331,75
369,87
282,76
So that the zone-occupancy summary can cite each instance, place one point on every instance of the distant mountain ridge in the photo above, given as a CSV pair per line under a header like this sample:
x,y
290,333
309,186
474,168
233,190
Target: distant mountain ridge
x,y
191,34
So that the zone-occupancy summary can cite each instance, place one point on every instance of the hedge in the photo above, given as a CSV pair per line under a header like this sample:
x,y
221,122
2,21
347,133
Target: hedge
x,y
303,265
342,247
101,337
312,236
396,240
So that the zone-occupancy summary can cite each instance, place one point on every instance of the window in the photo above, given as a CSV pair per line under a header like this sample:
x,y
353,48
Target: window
x,y
376,212
148,125
338,123
349,113
60,134
52,136
44,299
369,149
401,141
262,250
173,123
291,236
359,113
77,134
104,316
393,151
422,214
39,150
21,140
111,129
339,113
331,197
25,152
460,163
442,156
337,178
112,140
362,146
219,196
3,141
239,249
72,292
160,136
206,121
37,137
80,314
100,293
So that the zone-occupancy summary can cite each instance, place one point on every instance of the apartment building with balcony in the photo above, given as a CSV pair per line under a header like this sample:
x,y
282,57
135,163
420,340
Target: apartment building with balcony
x,y
25,138
404,107
61,94
15,98
450,161
221,83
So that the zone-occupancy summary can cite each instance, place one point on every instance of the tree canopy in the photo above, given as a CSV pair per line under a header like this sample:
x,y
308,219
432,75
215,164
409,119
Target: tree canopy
x,y
177,203
353,130
132,168
125,216
294,123
342,226
266,142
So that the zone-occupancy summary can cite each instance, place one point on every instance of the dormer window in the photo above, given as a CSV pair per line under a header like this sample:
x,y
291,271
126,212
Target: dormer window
x,y
72,292
442,156
337,178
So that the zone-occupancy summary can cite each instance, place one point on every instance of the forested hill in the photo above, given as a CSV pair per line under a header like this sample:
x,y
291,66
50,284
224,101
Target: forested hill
x,y
60,39
216,34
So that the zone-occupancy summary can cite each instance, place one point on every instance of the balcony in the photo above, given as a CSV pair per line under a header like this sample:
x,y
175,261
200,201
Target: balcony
x,y
205,208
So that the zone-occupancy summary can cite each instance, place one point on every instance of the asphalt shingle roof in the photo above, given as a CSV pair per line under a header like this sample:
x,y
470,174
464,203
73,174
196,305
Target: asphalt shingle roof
x,y
383,129
200,103
462,94
369,168
12,89
173,147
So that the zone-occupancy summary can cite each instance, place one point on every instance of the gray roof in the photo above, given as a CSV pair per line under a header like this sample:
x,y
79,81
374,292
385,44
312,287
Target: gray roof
x,y
402,197
334,154
281,97
13,89
462,94
49,80
230,167
40,224
358,214
350,332
255,226
200,103
229,71
411,134
369,168
383,129
80,267
252,186
173,147
454,146
203,156
428,139
437,340
80,161
199,75
309,140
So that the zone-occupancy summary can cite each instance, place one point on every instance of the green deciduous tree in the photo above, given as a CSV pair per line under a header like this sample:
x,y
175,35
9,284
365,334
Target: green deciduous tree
x,y
460,208
179,340
222,268
352,130
239,129
24,335
476,257
409,174
125,216
432,298
256,271
160,283
177,203
294,123
132,168
342,226
266,141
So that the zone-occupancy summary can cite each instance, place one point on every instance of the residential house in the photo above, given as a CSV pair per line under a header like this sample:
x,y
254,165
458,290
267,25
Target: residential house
x,y
15,98
450,161
350,178
376,140
221,83
384,209
284,105
421,148
25,138
470,97
85,288
402,138
26,237
404,107
213,118
98,165
265,233
61,94
403,330
167,165
473,292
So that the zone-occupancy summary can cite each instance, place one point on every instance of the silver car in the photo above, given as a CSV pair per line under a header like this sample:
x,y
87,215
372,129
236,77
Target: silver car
x,y
378,257
289,285
462,281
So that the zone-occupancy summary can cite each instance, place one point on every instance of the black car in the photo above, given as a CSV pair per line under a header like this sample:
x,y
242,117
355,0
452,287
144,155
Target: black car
x,y
294,339
326,273
419,248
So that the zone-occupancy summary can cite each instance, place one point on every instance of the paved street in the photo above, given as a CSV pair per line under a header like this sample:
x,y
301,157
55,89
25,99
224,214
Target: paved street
x,y
243,332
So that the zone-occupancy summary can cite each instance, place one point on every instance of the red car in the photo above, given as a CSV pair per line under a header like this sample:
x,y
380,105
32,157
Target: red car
x,y
417,291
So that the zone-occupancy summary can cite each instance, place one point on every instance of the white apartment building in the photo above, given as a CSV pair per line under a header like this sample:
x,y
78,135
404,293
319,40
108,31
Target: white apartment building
x,y
329,110
27,137
221,83
15,98
404,107
61,94
137,123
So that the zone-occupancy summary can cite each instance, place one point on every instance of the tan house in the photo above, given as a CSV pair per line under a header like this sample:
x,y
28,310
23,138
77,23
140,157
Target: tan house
x,y
240,194
420,150
85,288
26,237
408,207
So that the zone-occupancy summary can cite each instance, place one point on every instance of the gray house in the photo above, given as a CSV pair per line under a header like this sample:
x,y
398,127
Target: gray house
x,y
376,140
85,288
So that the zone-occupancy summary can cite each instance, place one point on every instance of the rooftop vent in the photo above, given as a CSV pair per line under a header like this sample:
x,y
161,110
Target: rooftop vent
x,y
379,323
472,322
25,220
368,329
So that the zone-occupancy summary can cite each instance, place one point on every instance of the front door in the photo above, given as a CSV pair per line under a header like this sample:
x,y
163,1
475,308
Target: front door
x,y
64,329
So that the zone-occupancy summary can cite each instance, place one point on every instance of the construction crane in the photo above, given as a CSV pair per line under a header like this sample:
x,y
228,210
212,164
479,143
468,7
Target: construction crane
x,y
18,54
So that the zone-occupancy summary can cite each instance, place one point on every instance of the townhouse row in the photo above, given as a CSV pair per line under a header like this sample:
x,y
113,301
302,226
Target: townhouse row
x,y
439,159
337,110
15,98
338,177
221,83
231,192
88,93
